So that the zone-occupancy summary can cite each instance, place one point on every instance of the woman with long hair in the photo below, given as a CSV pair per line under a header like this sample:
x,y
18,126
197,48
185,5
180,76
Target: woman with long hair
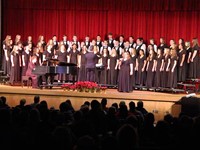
x,y
125,73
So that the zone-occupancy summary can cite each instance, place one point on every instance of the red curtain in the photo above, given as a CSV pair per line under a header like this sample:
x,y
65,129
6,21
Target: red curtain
x,y
139,18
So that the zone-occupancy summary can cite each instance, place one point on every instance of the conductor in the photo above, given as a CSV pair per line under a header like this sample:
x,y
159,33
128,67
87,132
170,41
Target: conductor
x,y
90,58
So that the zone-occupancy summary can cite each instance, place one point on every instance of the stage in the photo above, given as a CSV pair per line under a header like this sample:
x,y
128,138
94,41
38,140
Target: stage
x,y
157,102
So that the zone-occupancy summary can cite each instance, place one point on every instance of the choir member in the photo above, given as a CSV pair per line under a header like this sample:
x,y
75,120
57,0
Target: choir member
x,y
26,58
162,45
141,74
181,41
47,55
61,55
15,75
134,59
7,48
42,41
194,67
165,74
159,68
90,58
172,44
188,57
55,44
173,69
104,61
98,42
140,45
17,39
87,41
118,49
112,67
127,47
110,40
181,63
39,55
29,41
152,42
105,46
151,66
131,42
125,73
73,54
82,63
50,47
94,43
121,41
65,42
31,67
75,41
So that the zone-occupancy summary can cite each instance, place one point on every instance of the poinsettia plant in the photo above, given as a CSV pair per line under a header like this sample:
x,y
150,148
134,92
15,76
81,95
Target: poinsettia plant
x,y
83,86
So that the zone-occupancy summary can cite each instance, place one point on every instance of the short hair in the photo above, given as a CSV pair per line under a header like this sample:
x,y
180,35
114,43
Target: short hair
x,y
36,99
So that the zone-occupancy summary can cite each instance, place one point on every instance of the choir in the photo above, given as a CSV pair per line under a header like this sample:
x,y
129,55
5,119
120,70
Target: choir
x,y
126,63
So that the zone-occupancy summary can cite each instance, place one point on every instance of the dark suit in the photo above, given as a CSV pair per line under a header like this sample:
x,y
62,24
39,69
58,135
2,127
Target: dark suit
x,y
90,66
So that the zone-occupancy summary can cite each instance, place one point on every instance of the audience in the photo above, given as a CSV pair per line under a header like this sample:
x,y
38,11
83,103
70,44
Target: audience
x,y
100,127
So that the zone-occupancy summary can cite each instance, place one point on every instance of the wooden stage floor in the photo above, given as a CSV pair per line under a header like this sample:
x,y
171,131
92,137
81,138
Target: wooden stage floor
x,y
157,102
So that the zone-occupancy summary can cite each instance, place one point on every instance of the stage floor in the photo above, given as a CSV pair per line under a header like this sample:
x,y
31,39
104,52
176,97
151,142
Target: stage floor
x,y
156,102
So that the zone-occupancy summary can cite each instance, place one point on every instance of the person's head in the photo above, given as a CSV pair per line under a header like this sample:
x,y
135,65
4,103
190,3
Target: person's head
x,y
116,43
74,38
126,55
105,51
141,52
172,42
41,38
126,44
64,38
181,46
54,38
131,39
98,38
104,101
87,38
133,51
162,40
87,103
115,105
140,104
74,46
187,44
132,105
127,137
121,38
36,99
113,52
173,52
181,41
3,99
152,41
195,42
29,38
139,40
91,48
110,36
95,105
22,102
166,51
62,48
